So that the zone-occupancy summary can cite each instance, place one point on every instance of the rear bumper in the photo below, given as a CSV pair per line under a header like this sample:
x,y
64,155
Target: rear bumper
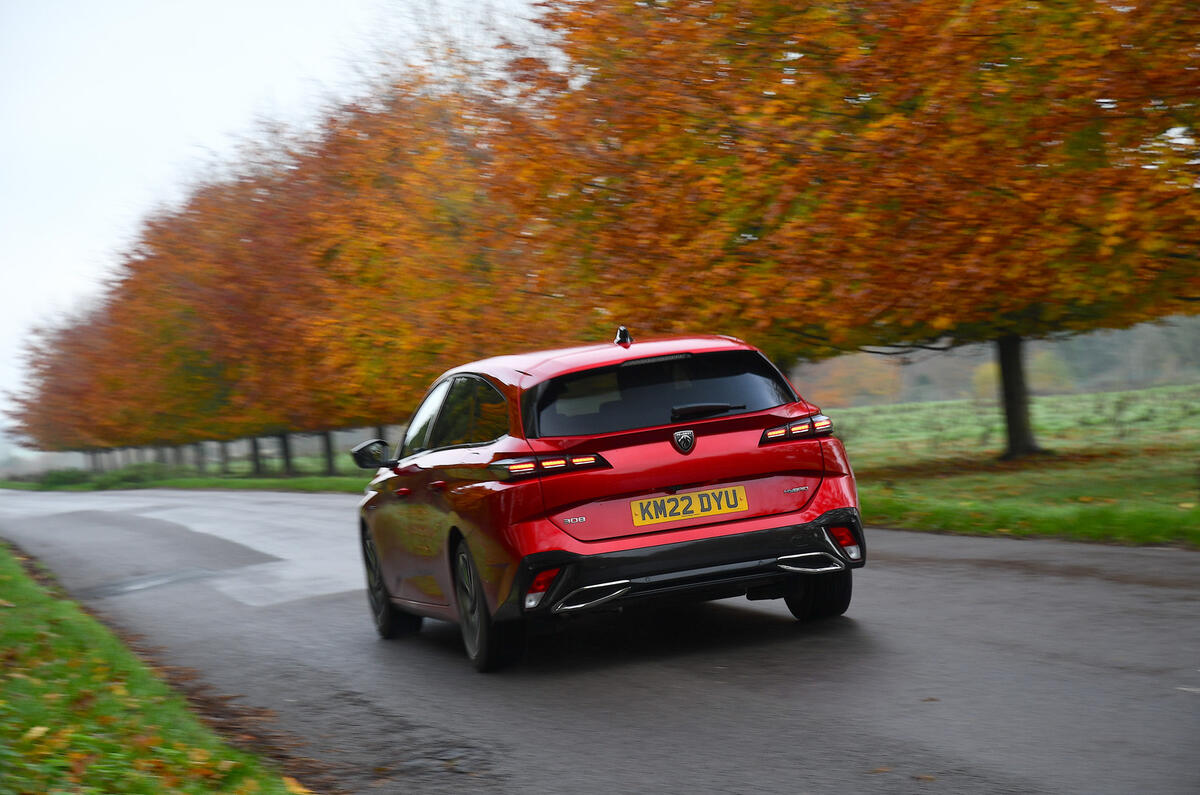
x,y
757,564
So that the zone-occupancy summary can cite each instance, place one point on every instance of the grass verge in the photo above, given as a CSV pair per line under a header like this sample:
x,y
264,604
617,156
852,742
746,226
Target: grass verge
x,y
1127,497
80,713
1125,467
146,476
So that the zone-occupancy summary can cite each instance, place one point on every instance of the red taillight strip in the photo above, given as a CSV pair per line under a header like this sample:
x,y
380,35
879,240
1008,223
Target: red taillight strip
x,y
800,428
537,465
816,425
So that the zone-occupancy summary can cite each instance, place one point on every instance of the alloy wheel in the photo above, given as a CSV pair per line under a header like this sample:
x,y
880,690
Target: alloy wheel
x,y
469,609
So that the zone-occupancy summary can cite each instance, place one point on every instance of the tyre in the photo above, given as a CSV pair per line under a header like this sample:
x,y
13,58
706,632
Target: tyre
x,y
390,621
816,596
489,645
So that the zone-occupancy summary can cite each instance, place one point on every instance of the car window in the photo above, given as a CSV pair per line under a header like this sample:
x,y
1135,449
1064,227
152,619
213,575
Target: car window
x,y
474,413
491,412
418,426
645,393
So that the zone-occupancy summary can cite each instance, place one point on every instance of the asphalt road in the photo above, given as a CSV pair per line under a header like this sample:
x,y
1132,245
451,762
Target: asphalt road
x,y
964,664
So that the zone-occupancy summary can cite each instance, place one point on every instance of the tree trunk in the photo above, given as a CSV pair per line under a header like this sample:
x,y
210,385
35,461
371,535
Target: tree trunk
x,y
330,464
285,452
1015,395
201,458
177,454
160,455
256,456
94,459
381,432
224,458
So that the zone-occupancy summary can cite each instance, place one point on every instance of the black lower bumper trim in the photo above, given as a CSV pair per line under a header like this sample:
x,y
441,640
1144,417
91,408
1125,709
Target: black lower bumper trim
x,y
704,569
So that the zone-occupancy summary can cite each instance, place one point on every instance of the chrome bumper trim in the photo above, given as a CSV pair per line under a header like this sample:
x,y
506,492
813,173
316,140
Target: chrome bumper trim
x,y
810,563
614,589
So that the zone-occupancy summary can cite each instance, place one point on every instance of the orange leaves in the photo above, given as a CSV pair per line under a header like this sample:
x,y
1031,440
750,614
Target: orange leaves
x,y
812,176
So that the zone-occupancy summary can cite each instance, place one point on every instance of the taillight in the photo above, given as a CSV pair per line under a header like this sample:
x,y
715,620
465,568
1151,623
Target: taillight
x,y
816,425
515,468
845,539
537,589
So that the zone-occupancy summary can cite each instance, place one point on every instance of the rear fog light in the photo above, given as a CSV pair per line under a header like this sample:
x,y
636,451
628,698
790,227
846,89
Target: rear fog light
x,y
537,589
845,539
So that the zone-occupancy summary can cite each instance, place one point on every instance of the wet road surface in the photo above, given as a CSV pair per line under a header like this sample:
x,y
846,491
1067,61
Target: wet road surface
x,y
964,664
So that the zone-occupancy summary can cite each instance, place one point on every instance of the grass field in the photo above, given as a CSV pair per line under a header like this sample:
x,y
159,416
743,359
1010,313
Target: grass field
x,y
79,713
1125,468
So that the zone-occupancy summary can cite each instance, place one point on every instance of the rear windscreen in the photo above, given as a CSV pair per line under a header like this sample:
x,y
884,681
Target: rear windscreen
x,y
658,391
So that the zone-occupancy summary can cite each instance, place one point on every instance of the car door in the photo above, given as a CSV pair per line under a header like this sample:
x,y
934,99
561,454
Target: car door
x,y
470,434
403,509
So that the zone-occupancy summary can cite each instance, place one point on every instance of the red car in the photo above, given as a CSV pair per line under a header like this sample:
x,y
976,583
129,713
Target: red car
x,y
536,486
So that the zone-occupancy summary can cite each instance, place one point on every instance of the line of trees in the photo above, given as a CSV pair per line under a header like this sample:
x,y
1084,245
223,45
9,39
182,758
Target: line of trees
x,y
814,177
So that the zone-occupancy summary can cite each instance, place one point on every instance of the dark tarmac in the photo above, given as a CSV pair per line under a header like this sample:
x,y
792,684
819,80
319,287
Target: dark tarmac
x,y
964,664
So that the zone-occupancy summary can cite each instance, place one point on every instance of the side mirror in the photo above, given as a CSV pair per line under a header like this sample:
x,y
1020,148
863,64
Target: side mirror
x,y
372,454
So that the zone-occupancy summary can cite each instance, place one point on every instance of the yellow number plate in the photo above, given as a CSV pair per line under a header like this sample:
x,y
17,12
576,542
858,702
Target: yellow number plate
x,y
691,505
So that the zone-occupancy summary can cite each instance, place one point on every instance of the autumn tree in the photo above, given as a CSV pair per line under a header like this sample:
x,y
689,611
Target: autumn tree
x,y
319,283
817,177
825,177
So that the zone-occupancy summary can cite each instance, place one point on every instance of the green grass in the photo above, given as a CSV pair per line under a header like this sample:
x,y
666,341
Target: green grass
x,y
141,476
1125,467
343,483
79,713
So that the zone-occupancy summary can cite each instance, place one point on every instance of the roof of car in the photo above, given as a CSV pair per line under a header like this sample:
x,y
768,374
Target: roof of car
x,y
526,369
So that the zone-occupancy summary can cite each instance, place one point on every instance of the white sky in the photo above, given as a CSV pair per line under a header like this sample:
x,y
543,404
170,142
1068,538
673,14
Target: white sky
x,y
107,109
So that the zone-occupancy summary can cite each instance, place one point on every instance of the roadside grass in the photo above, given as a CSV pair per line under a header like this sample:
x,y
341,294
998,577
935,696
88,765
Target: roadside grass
x,y
1133,497
143,476
80,713
353,484
1124,468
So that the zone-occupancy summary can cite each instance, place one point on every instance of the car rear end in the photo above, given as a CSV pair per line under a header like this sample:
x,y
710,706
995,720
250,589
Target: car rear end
x,y
686,468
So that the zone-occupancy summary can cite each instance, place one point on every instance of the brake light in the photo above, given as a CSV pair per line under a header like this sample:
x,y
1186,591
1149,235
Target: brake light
x,y
538,465
816,425
538,588
845,539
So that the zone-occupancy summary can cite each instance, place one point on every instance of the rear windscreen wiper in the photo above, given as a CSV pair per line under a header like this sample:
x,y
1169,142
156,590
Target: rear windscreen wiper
x,y
691,411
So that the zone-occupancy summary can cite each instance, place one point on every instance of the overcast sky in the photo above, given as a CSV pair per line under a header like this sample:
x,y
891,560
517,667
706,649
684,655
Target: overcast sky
x,y
108,109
